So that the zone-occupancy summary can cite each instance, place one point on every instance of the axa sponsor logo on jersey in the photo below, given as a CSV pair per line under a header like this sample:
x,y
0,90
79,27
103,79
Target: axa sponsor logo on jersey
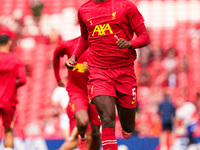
x,y
101,29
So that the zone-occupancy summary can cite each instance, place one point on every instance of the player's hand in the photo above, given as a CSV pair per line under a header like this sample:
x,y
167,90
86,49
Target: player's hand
x,y
70,63
61,83
70,139
85,66
121,43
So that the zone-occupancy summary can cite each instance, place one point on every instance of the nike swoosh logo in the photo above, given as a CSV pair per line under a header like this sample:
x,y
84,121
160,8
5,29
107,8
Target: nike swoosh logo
x,y
133,102
89,19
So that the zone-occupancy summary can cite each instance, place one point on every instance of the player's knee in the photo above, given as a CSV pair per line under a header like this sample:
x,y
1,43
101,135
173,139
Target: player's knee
x,y
82,123
82,119
108,122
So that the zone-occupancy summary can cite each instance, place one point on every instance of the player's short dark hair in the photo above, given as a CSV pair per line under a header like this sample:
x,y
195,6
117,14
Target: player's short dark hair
x,y
4,39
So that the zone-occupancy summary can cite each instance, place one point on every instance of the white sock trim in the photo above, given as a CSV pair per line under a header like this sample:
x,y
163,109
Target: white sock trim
x,y
83,139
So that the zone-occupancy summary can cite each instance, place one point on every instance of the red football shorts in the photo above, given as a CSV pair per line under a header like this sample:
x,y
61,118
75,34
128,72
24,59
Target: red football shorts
x,y
8,116
116,82
93,114
72,120
79,101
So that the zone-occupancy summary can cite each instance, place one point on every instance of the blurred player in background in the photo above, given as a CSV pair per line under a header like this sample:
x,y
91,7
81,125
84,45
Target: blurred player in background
x,y
79,107
186,116
60,100
107,27
12,76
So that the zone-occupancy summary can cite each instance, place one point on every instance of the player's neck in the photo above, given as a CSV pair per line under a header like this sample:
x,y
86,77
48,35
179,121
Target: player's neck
x,y
99,1
4,49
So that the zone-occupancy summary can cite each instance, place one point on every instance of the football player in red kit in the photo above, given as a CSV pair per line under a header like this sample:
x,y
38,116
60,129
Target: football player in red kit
x,y
107,28
12,76
79,106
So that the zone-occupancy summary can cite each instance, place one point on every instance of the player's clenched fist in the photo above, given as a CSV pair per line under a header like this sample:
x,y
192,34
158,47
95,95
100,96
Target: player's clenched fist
x,y
70,63
121,43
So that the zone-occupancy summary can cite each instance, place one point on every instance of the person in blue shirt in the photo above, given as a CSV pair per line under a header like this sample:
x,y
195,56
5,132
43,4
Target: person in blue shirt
x,y
167,113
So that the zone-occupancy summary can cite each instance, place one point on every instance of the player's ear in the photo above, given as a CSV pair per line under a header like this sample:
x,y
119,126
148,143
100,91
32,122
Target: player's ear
x,y
10,42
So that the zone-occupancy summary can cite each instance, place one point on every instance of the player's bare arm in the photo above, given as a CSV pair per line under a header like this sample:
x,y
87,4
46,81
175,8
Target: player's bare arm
x,y
70,63
121,43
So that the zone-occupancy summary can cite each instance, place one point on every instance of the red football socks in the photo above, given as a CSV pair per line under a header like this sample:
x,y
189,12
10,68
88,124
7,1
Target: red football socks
x,y
109,141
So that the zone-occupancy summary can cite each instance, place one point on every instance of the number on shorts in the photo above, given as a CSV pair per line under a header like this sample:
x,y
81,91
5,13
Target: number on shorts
x,y
134,93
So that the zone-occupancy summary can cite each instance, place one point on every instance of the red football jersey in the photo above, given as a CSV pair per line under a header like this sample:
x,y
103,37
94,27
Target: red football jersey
x,y
100,21
77,77
12,75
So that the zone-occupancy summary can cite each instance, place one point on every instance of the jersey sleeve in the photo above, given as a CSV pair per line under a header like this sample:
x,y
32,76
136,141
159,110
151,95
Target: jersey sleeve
x,y
134,16
83,41
142,37
136,22
60,51
21,74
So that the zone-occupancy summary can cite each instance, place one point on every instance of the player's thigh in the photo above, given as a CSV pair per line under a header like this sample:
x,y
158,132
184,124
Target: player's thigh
x,y
126,117
126,107
105,106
